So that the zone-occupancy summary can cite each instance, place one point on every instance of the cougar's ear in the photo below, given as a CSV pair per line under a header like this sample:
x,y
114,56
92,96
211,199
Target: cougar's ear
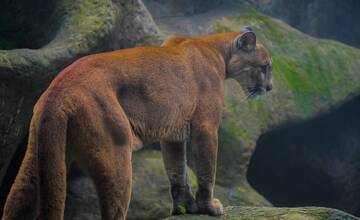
x,y
246,41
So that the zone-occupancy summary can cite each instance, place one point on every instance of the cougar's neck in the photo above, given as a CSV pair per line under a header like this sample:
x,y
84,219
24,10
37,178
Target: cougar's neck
x,y
223,43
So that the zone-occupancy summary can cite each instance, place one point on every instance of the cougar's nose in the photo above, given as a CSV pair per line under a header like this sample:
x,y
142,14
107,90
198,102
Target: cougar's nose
x,y
269,87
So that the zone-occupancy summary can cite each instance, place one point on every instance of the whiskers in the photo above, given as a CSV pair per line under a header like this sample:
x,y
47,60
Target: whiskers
x,y
249,94
254,92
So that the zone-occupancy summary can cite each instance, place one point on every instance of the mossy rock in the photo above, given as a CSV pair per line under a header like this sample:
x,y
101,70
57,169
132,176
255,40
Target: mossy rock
x,y
263,213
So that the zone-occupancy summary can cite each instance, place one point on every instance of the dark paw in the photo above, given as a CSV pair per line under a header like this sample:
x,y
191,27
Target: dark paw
x,y
185,206
214,208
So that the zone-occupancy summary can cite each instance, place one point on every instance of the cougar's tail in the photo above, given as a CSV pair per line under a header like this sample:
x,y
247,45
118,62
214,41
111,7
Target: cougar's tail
x,y
39,188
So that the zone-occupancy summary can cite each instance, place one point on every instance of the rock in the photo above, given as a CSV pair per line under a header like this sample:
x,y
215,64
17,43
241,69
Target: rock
x,y
263,213
150,193
321,18
45,37
171,8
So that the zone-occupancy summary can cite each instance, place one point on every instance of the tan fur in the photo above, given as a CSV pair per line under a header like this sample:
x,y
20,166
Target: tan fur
x,y
103,106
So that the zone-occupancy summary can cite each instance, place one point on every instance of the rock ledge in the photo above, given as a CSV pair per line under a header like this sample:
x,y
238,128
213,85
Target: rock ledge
x,y
267,213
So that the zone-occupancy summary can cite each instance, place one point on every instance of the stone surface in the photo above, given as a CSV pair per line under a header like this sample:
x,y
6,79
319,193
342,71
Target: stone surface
x,y
263,213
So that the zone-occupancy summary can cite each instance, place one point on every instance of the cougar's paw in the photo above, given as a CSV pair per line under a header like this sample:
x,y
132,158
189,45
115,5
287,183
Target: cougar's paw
x,y
186,206
214,208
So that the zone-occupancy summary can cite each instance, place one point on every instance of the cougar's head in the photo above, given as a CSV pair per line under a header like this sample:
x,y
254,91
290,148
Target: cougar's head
x,y
250,64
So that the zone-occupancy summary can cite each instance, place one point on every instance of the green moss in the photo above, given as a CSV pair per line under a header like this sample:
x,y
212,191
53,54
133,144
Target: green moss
x,y
182,209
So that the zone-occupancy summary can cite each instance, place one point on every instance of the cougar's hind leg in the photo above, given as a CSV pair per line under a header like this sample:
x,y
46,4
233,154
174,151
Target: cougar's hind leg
x,y
174,157
105,155
111,174
109,166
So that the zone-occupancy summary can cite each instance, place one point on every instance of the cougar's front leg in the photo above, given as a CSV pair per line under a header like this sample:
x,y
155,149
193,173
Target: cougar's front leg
x,y
174,156
204,142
